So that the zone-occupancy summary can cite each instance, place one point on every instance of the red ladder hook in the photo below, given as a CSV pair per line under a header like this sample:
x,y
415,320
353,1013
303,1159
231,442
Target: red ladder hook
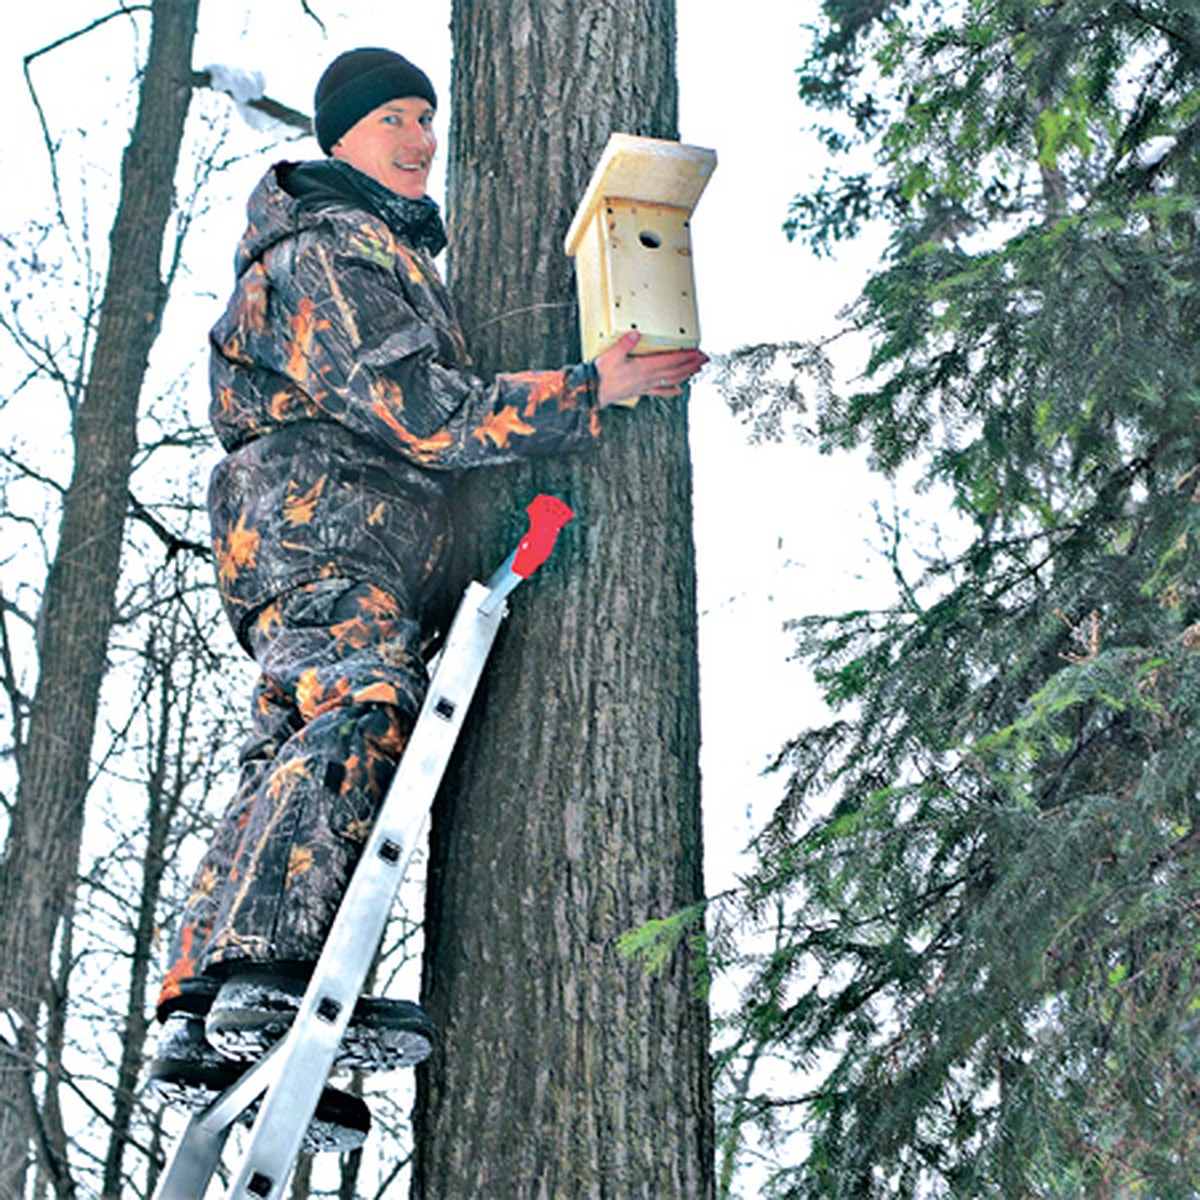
x,y
547,516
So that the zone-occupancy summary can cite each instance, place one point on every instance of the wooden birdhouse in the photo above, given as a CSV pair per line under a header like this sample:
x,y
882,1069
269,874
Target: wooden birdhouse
x,y
632,244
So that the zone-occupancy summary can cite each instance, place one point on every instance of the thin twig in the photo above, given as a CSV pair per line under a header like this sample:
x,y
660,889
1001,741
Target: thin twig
x,y
123,11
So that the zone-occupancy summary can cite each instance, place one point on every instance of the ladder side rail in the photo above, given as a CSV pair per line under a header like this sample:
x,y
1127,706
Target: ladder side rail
x,y
193,1163
198,1153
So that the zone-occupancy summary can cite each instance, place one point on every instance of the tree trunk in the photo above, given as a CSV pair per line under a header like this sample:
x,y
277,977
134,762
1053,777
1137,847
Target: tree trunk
x,y
572,811
37,874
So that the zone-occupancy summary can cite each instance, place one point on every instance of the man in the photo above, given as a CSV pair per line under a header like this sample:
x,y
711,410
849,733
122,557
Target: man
x,y
343,394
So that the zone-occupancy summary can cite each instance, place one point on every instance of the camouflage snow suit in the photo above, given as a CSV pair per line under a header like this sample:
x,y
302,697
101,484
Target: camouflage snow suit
x,y
342,391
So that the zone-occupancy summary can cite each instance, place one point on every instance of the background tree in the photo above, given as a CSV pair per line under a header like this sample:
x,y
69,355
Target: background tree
x,y
572,814
986,862
41,850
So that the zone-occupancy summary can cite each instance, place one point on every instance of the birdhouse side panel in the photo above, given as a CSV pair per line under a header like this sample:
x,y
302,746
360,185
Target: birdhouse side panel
x,y
596,315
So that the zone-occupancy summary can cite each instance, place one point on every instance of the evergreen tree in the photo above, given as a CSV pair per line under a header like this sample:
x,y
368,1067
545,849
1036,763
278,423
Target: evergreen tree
x,y
984,867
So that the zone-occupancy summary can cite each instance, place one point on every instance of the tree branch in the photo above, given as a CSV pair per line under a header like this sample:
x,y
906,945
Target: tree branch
x,y
51,149
173,542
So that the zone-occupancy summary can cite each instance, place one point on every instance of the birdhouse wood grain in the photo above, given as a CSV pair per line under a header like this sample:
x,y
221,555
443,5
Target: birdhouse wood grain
x,y
632,244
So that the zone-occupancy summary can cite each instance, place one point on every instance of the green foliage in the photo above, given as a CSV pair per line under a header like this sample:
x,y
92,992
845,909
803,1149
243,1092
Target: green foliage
x,y
654,943
982,879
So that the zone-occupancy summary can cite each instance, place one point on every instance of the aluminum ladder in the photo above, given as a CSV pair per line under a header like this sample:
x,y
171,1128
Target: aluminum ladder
x,y
293,1073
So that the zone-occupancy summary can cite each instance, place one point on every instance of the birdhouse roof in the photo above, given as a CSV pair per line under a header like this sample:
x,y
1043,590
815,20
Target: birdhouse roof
x,y
653,170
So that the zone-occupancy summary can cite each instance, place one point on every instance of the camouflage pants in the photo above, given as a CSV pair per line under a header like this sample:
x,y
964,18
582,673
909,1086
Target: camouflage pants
x,y
340,686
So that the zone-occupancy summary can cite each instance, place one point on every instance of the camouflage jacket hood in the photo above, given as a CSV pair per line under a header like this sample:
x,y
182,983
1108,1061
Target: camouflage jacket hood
x,y
343,392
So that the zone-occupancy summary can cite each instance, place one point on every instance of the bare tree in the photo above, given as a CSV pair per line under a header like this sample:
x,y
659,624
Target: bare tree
x,y
572,815
181,733
41,852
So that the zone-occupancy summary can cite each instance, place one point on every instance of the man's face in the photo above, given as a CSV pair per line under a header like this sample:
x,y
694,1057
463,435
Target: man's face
x,y
394,144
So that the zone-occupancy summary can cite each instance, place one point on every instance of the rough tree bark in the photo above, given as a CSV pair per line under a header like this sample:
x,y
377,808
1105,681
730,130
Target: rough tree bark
x,y
40,858
572,812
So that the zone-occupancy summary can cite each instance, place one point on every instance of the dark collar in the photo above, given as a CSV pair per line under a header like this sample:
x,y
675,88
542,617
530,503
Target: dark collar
x,y
331,181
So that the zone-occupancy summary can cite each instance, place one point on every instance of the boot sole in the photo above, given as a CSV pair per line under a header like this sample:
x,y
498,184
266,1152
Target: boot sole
x,y
340,1123
370,1044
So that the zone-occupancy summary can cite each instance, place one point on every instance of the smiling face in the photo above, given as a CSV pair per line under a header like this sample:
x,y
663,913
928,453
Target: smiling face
x,y
394,144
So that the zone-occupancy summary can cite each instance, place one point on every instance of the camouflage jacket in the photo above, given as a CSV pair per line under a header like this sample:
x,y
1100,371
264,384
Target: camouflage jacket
x,y
343,393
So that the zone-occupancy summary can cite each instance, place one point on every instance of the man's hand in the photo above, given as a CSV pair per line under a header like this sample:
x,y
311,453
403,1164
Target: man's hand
x,y
624,379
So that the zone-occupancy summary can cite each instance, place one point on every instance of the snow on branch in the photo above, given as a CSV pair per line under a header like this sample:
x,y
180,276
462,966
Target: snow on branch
x,y
246,89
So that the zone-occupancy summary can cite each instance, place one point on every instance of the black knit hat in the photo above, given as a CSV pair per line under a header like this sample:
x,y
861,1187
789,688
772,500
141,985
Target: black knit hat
x,y
357,83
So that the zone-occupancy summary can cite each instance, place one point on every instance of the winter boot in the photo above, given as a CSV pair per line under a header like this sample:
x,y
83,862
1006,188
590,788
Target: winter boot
x,y
256,1006
188,1073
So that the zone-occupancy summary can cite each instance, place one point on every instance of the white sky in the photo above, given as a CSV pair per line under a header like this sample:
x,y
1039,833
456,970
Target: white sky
x,y
780,531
